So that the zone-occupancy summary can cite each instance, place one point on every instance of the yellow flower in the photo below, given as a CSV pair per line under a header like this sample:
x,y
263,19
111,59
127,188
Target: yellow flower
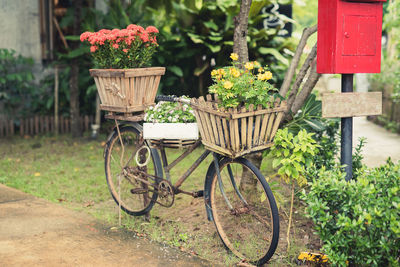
x,y
256,64
234,56
221,72
268,75
261,76
214,72
260,70
234,72
228,85
249,66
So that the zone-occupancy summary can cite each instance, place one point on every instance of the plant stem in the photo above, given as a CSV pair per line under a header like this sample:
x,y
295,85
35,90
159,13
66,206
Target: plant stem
x,y
290,219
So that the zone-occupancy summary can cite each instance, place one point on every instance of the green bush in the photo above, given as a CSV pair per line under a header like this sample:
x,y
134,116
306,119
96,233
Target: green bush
x,y
358,221
17,89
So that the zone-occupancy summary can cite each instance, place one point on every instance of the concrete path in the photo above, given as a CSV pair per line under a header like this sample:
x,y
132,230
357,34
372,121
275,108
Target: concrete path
x,y
380,145
35,232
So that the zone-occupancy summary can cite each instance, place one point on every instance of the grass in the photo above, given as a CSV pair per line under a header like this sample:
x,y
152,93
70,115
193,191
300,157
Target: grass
x,y
71,172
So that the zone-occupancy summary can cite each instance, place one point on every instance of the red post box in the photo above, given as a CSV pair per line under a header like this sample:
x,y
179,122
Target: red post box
x,y
349,36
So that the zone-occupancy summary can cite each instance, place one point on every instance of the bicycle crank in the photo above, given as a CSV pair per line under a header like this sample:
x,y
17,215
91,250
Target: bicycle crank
x,y
166,194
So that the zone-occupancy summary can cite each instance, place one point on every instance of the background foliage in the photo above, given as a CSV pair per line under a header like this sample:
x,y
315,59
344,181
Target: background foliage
x,y
358,221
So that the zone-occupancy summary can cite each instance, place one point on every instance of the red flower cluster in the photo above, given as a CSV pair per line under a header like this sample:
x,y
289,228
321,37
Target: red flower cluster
x,y
116,37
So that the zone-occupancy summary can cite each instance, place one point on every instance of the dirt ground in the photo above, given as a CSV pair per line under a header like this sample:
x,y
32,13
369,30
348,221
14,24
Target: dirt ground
x,y
34,232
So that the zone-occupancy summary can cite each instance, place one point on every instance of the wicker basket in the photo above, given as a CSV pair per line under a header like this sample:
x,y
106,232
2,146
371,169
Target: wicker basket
x,y
234,132
127,90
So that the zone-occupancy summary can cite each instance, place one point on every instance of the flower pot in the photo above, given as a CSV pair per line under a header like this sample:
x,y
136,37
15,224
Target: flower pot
x,y
236,132
181,131
127,90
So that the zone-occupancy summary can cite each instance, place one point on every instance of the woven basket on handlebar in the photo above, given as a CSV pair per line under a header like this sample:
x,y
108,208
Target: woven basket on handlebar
x,y
127,90
236,132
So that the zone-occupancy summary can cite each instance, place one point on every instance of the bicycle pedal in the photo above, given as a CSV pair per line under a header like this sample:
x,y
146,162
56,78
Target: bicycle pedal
x,y
198,194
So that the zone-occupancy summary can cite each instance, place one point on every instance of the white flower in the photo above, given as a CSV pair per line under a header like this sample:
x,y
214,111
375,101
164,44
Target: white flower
x,y
151,108
169,118
175,119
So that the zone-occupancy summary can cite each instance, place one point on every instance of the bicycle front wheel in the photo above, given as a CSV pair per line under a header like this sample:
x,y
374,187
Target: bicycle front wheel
x,y
130,185
245,213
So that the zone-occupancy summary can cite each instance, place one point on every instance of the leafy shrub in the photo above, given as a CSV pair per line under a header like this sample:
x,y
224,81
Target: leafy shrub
x,y
17,89
326,131
358,221
293,154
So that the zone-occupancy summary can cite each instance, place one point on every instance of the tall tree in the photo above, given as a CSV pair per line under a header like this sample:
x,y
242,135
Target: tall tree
x,y
73,80
298,91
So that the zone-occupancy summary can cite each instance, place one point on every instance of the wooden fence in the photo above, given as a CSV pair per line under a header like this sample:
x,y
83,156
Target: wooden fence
x,y
40,125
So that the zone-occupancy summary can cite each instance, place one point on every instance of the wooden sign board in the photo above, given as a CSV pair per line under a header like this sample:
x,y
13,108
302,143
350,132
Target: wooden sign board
x,y
341,105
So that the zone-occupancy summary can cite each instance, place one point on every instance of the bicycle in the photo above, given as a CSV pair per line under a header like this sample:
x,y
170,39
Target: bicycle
x,y
246,218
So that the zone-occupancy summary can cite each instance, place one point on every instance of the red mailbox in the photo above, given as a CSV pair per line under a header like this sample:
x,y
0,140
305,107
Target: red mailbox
x,y
349,36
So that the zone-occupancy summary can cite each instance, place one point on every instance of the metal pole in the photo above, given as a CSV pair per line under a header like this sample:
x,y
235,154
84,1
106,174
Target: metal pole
x,y
346,152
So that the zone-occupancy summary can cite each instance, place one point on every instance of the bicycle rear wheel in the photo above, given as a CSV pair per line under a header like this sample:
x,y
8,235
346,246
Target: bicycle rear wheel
x,y
246,217
128,183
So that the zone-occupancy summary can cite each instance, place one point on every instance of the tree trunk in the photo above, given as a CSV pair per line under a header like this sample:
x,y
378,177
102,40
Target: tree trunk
x,y
240,33
73,79
248,182
74,99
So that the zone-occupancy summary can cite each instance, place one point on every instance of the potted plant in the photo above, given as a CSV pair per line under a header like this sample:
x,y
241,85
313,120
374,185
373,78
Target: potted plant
x,y
124,80
170,120
245,112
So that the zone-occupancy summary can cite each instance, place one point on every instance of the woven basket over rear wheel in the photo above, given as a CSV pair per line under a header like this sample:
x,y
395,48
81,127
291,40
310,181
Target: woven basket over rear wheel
x,y
127,90
236,132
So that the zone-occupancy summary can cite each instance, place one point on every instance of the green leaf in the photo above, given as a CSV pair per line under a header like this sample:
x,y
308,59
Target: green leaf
x,y
198,4
263,197
215,38
195,38
176,70
211,25
214,48
315,124
77,52
275,53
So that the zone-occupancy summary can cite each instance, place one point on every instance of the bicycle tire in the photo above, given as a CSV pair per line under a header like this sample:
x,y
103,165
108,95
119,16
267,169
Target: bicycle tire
x,y
251,232
132,191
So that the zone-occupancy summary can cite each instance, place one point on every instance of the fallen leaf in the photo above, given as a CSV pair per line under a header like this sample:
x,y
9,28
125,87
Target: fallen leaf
x,y
37,174
103,143
61,199
18,160
193,253
76,169
88,203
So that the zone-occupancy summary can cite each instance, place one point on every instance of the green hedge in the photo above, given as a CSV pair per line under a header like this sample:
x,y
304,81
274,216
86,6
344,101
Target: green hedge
x,y
358,221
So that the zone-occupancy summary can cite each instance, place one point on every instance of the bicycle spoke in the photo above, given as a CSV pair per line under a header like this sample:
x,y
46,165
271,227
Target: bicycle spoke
x,y
128,184
248,229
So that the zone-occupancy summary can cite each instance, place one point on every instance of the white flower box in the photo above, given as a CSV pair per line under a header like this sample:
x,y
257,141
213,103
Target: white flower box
x,y
183,131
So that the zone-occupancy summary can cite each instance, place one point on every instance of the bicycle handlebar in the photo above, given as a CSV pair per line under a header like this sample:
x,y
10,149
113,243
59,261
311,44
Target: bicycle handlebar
x,y
172,98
